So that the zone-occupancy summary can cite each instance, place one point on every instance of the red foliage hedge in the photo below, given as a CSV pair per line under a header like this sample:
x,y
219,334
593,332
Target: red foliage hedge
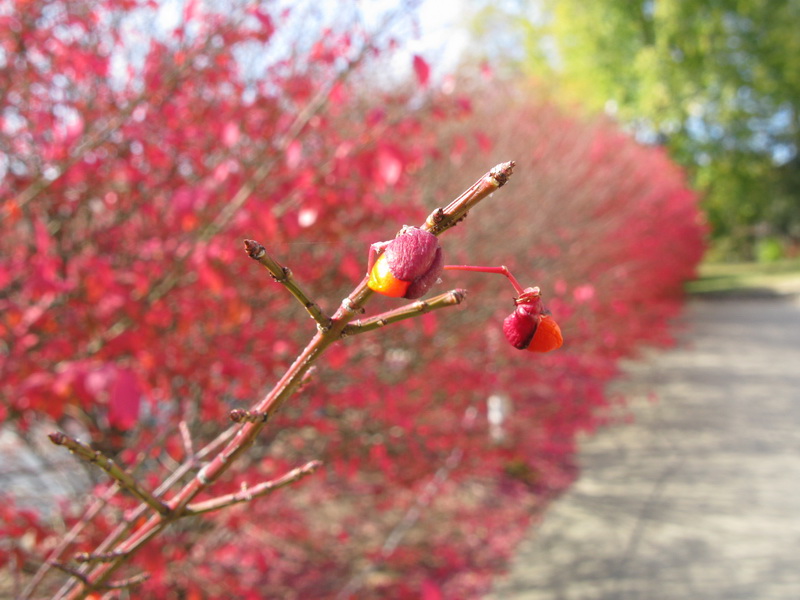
x,y
130,175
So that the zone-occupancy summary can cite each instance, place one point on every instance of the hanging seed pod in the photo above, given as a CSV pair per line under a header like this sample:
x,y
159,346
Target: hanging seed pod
x,y
529,327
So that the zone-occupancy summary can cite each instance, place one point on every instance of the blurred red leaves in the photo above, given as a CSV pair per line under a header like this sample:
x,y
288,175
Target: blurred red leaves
x,y
421,69
127,304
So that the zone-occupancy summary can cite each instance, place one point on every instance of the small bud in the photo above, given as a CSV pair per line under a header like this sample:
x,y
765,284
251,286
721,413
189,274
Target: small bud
x,y
530,327
409,266
57,438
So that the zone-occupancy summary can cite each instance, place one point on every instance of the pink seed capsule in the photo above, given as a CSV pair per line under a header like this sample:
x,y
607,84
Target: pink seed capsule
x,y
521,325
409,266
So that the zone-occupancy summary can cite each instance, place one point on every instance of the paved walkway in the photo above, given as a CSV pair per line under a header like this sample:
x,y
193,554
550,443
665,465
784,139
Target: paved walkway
x,y
698,499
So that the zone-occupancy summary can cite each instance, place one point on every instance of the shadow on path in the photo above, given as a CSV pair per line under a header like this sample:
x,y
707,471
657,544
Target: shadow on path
x,y
700,497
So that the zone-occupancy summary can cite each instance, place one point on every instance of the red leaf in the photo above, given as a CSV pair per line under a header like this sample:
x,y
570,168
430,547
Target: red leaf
x,y
431,591
486,71
126,397
189,10
390,167
266,21
484,142
422,69
459,149
294,154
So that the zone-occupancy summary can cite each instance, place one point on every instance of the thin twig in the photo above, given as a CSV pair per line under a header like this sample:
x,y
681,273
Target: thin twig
x,y
113,585
414,309
109,466
283,275
186,437
442,219
72,572
127,583
249,493
86,557
133,516
66,541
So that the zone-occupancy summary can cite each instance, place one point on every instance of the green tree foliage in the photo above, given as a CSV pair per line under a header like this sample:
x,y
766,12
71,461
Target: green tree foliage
x,y
718,81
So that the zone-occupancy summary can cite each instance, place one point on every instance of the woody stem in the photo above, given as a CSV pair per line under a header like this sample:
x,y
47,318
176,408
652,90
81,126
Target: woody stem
x,y
501,270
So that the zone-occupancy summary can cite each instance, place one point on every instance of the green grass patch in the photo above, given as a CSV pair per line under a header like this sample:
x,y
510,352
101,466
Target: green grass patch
x,y
722,278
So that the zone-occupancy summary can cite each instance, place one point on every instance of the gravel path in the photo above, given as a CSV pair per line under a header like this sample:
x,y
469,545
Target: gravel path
x,y
700,497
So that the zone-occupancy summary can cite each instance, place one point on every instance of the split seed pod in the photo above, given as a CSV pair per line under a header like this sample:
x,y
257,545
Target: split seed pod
x,y
547,337
529,327
409,266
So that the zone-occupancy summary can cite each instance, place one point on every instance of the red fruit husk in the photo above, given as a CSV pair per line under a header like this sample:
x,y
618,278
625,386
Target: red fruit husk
x,y
421,285
520,326
412,253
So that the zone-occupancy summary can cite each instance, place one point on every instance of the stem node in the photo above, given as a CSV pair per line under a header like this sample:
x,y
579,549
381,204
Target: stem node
x,y
239,415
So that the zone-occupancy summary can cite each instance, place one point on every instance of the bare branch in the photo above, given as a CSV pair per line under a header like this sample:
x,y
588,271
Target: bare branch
x,y
442,219
91,512
127,583
283,275
451,298
114,585
109,466
247,494
86,557
73,572
186,437
123,528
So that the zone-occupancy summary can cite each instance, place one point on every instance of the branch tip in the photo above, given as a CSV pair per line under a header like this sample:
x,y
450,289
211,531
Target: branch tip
x,y
122,477
312,466
308,376
502,172
283,275
442,219
57,438
254,249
